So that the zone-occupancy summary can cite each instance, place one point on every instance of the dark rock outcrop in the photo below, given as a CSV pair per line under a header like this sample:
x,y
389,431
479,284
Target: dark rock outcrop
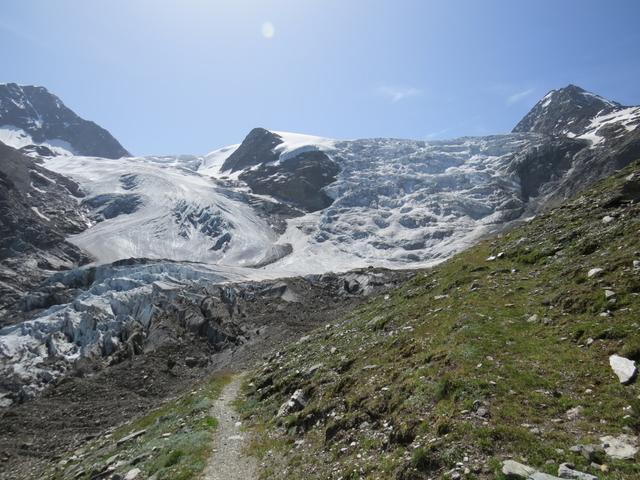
x,y
568,109
38,209
587,138
257,148
44,117
298,180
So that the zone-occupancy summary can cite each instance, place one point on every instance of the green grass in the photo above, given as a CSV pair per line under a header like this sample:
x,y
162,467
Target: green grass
x,y
521,336
175,446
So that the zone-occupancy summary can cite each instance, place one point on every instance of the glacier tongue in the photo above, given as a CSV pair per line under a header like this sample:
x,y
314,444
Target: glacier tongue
x,y
182,215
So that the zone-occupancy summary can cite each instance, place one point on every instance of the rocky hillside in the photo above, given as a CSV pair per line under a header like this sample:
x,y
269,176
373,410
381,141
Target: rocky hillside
x,y
38,210
37,122
140,335
513,359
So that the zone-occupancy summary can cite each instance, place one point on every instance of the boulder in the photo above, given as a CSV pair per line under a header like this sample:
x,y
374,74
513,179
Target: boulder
x,y
513,469
624,368
296,403
622,447
565,470
595,272
132,474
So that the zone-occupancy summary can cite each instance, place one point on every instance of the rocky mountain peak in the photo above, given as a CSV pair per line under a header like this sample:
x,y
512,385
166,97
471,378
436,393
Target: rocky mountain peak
x,y
257,147
31,116
568,109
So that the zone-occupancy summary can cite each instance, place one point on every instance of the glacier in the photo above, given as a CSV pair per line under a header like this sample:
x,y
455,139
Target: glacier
x,y
395,203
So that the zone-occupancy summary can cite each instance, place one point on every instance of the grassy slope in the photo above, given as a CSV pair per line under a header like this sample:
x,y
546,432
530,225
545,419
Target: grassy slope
x,y
175,446
400,380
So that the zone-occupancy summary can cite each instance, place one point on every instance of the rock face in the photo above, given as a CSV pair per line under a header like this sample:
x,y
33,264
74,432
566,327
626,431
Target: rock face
x,y
257,148
299,180
38,209
568,109
33,116
588,137
624,368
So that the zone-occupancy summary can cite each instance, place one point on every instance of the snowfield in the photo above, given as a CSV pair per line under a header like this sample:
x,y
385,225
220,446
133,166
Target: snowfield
x,y
182,215
396,203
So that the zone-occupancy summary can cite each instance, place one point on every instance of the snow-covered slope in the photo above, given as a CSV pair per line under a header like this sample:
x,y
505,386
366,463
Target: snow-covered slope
x,y
163,210
394,203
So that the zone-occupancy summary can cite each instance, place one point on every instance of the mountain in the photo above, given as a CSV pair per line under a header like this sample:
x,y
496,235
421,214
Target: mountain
x,y
568,109
588,137
34,120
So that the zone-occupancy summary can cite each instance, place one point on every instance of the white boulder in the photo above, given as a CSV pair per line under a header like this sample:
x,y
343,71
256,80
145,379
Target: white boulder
x,y
595,272
622,447
624,368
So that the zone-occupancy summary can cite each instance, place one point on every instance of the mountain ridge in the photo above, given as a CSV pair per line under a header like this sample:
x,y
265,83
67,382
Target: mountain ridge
x,y
40,119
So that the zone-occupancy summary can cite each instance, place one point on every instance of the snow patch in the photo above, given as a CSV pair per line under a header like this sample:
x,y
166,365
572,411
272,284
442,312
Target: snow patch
x,y
18,138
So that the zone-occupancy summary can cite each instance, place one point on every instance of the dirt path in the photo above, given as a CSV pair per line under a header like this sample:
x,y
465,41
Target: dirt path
x,y
227,461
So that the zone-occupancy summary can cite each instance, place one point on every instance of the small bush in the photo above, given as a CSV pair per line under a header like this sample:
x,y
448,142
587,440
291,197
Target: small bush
x,y
425,460
173,458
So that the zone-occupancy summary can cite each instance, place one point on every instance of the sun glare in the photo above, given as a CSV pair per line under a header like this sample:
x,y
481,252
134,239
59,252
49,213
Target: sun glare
x,y
268,30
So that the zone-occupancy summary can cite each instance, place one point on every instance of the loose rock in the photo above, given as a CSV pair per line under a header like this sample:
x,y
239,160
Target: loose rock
x,y
595,272
296,403
513,469
624,368
132,474
622,447
566,470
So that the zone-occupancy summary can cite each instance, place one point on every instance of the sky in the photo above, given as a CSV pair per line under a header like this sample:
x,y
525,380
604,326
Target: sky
x,y
190,76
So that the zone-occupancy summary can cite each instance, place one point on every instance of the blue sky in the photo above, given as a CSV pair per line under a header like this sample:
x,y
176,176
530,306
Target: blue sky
x,y
188,76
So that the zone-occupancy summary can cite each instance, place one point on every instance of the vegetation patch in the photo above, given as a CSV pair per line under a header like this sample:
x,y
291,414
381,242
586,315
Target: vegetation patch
x,y
171,443
500,352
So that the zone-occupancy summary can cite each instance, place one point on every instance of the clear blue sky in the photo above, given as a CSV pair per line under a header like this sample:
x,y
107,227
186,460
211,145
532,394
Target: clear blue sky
x,y
188,76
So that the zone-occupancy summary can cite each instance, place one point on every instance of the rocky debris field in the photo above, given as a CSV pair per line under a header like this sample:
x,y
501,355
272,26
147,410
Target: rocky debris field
x,y
515,359
207,329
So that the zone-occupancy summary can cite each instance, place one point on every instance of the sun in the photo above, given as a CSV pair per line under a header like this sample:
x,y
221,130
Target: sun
x,y
268,30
